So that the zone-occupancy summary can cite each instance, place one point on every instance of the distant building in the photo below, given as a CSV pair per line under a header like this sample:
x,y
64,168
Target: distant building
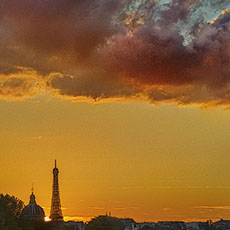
x,y
193,226
197,226
145,224
221,224
171,225
130,224
33,211
75,225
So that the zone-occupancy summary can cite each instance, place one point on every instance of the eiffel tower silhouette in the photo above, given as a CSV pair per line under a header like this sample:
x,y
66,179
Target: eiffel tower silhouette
x,y
56,212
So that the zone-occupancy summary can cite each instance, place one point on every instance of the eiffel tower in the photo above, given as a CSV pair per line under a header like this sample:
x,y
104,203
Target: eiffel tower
x,y
56,212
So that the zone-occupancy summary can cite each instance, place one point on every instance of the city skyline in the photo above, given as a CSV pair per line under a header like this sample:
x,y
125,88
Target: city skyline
x,y
56,212
130,186
131,97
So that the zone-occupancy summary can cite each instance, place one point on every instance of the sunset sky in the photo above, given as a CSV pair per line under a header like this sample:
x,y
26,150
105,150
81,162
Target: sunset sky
x,y
132,99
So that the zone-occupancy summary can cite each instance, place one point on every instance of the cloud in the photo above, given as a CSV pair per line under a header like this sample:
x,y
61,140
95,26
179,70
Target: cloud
x,y
96,85
96,207
23,83
77,218
157,51
166,209
126,208
37,138
213,207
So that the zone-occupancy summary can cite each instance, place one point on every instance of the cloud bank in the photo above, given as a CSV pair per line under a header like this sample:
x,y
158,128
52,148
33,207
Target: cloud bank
x,y
175,51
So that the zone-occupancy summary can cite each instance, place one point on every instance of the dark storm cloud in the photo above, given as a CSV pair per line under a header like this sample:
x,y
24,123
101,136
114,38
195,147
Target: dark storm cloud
x,y
106,49
223,19
41,34
96,86
154,57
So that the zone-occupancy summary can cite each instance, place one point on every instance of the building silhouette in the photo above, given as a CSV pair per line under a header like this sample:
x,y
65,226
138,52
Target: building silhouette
x,y
56,212
33,211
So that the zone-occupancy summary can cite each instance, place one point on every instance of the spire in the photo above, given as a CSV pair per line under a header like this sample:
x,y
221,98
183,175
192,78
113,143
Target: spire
x,y
55,164
32,196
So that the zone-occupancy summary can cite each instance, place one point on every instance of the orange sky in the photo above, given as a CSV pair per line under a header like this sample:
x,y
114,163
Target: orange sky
x,y
133,159
116,151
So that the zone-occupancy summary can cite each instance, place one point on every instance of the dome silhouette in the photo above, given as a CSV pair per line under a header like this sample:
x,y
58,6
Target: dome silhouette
x,y
33,211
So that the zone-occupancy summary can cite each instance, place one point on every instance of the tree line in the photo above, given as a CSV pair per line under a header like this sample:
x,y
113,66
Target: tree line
x,y
11,219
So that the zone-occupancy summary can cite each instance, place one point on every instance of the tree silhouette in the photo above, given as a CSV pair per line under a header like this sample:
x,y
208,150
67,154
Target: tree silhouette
x,y
105,223
10,211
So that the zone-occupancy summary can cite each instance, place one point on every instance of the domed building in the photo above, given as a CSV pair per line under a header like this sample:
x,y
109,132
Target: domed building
x,y
33,211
